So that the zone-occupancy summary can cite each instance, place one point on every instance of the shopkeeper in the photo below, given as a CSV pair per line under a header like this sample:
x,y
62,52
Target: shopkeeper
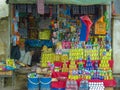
x,y
28,58
25,57
22,52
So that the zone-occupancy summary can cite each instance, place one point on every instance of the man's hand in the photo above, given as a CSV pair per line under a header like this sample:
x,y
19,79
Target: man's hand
x,y
17,62
27,66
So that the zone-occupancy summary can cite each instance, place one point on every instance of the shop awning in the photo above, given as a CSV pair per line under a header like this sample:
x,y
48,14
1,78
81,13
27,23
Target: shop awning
x,y
76,2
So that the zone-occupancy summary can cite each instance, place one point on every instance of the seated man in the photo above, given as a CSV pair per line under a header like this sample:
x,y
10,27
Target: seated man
x,y
22,52
27,58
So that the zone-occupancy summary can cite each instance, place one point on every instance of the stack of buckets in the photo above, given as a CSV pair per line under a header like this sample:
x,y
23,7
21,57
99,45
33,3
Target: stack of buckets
x,y
38,83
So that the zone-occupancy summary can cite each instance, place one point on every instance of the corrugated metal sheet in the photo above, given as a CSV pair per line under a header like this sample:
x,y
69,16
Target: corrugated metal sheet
x,y
77,2
22,1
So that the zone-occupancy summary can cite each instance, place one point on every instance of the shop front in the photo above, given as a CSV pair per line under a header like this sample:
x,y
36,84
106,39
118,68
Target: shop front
x,y
71,40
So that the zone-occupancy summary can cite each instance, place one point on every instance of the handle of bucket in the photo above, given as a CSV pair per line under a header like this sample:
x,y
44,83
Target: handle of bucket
x,y
33,82
45,83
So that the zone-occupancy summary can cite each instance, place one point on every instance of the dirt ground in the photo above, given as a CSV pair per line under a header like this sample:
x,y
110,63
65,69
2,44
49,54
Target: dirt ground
x,y
20,83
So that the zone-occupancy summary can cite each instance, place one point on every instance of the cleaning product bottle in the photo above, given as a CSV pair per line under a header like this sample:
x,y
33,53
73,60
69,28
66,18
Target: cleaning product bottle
x,y
84,85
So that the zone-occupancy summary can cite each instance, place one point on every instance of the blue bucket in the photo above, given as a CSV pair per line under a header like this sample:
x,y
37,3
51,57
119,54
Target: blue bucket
x,y
33,83
45,83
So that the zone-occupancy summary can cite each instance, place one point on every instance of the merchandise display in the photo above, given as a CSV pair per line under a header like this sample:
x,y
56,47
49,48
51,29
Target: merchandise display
x,y
38,43
107,55
75,54
75,46
82,50
71,84
65,68
84,85
47,57
96,86
94,53
7,68
44,35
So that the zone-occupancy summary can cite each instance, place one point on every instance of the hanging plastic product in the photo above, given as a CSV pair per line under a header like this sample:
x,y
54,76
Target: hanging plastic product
x,y
40,6
88,23
100,26
107,21
83,31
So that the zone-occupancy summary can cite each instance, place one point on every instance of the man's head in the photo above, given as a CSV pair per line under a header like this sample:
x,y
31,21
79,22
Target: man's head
x,y
31,51
22,45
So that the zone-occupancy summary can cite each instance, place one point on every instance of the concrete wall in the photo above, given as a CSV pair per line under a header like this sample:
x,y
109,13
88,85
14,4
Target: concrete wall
x,y
4,36
116,44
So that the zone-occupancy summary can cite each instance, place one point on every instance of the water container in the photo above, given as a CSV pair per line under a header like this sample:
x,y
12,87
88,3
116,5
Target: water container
x,y
33,83
58,89
45,83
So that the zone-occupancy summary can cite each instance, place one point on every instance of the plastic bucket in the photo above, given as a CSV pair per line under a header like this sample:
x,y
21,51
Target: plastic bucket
x,y
45,83
33,83
58,89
